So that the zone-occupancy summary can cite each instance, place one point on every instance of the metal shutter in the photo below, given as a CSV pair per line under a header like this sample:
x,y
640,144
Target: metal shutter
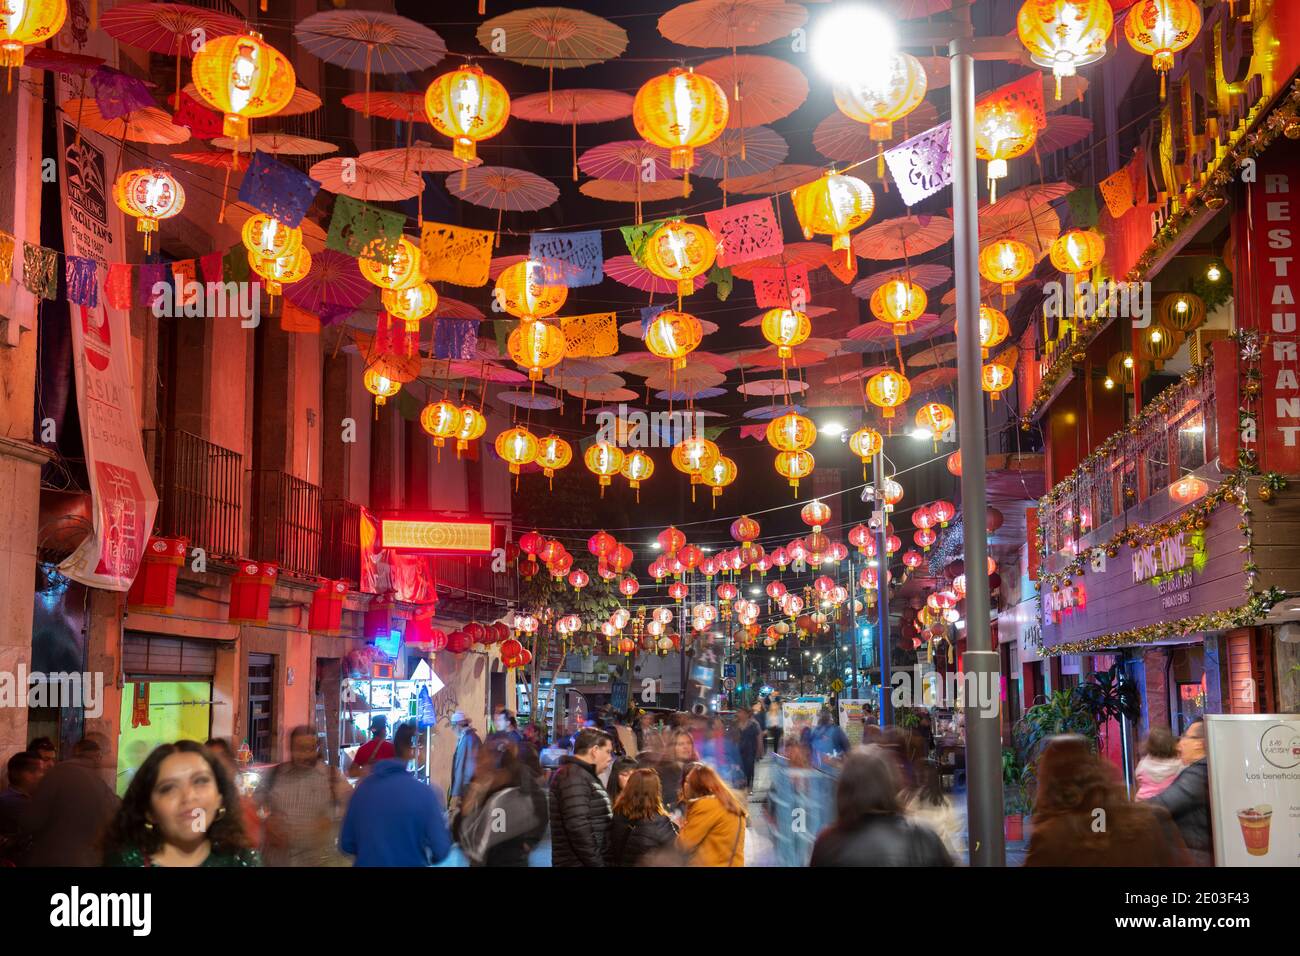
x,y
146,656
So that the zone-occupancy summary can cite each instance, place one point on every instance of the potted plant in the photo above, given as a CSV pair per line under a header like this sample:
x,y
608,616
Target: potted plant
x,y
1015,796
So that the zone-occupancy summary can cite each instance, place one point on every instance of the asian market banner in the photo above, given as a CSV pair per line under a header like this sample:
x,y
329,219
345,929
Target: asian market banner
x,y
123,500
1254,766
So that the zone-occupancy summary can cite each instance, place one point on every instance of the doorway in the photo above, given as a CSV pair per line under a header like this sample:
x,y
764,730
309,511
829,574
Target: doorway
x,y
261,706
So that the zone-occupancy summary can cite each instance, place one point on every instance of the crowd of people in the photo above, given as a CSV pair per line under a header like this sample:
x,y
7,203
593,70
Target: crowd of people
x,y
648,789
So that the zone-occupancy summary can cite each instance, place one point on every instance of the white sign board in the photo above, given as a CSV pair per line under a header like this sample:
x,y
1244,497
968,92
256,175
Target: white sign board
x,y
1254,764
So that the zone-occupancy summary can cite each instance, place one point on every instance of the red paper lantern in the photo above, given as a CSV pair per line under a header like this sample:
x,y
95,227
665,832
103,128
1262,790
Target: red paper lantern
x,y
511,650
601,544
824,584
922,517
815,514
671,540
925,537
621,559
422,635
728,591
530,543
579,579
458,642
775,590
944,511
626,645
250,592
326,616
744,528
501,631
860,537
954,464
912,559
528,568
525,657
378,621
154,587
690,556
678,591
629,586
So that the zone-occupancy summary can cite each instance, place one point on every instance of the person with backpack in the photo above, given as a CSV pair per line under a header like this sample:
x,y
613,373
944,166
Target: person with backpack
x,y
503,814
303,800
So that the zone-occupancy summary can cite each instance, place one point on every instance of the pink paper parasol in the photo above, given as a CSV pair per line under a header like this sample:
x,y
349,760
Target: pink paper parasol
x,y
573,107
772,386
763,89
778,179
504,189
903,237
847,141
167,28
624,270
927,276
334,285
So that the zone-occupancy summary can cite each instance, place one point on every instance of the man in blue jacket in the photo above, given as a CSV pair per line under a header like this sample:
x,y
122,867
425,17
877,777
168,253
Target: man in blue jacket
x,y
393,819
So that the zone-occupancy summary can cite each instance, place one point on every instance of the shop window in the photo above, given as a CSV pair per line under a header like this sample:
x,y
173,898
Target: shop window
x,y
1192,442
1156,462
261,706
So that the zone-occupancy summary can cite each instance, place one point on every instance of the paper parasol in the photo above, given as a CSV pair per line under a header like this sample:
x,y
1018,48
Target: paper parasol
x,y
772,386
801,357
763,149
277,144
486,371
778,179
635,192
216,160
406,107
365,182
1072,90
927,276
302,101
766,89
551,37
876,336
733,23
847,141
903,237
1026,198
856,374
572,107
58,61
687,395
812,311
370,41
500,264
695,375
912,9
148,125
166,28
575,369
1063,130
531,400
449,308
772,411
333,286
576,385
422,159
935,355
624,270
938,72
504,189
814,255
621,161
1037,227
608,395
932,379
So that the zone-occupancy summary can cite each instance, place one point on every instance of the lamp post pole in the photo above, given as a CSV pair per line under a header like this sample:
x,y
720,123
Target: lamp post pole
x,y
983,733
883,645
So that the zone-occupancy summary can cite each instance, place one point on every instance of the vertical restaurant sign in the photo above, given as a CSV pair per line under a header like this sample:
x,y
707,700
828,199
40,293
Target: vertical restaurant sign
x,y
1254,764
123,499
1274,228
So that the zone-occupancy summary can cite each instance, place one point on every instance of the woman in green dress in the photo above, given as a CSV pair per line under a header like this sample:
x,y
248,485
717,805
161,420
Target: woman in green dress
x,y
181,809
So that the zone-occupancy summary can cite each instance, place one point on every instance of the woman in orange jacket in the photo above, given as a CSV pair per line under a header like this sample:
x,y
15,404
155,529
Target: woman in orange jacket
x,y
713,833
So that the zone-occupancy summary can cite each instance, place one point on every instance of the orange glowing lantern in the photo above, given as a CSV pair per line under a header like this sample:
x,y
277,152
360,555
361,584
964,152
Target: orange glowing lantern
x,y
269,238
936,418
866,443
553,453
536,346
637,467
148,195
679,251
994,328
671,540
912,559
785,328
834,206
472,426
815,514
680,111
795,466
441,420
995,379
604,460
243,77
888,390
719,475
517,446
380,386
522,291
1078,251
1160,28
468,106
1064,35
899,303
889,88
283,271
943,512
1188,489
25,23
954,464
695,456
410,304
924,537
1004,129
1006,261
674,335
791,432
399,269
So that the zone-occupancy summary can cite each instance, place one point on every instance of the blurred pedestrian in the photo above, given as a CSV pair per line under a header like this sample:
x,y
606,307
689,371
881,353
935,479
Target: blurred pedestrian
x,y
1083,817
303,799
44,750
870,827
375,749
220,749
394,819
775,723
928,805
505,729
70,809
670,758
749,742
23,771
580,809
1187,798
620,769
713,833
827,742
503,815
1159,764
642,831
180,810
465,759
800,802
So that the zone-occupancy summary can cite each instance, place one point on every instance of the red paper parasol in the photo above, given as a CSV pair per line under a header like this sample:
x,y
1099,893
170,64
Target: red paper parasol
x,y
551,37
573,107
449,308
370,41
277,144
487,371
903,237
879,336
1063,130
932,379
167,28
814,255
778,179
624,270
148,125
733,23
925,275
216,160
765,89
500,264
635,192
801,357
855,375
621,161
349,177
58,61
847,141
504,189
333,285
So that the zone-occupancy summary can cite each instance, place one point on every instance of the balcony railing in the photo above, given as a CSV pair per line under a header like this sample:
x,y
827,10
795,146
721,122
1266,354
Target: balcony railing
x,y
340,556
286,526
200,489
1167,460
474,577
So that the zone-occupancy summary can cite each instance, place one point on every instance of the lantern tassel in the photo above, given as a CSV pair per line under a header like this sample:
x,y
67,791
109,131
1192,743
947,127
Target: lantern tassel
x,y
575,147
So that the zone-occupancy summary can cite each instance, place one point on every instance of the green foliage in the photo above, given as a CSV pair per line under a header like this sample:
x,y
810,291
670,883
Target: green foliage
x,y
1110,695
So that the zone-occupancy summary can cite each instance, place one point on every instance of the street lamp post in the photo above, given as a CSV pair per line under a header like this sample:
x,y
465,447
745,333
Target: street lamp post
x,y
882,584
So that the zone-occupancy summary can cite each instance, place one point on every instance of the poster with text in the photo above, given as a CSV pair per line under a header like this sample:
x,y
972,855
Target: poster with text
x,y
854,715
1254,763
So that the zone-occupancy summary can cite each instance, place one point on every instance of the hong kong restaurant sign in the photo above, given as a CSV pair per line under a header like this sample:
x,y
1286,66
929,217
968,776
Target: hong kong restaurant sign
x,y
1185,574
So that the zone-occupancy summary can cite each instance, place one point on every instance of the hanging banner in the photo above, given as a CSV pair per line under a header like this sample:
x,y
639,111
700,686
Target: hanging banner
x,y
590,336
746,231
1254,766
123,499
455,254
922,165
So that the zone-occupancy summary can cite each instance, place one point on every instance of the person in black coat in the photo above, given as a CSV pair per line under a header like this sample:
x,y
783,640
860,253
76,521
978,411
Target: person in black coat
x,y
749,741
1188,798
642,828
870,828
580,810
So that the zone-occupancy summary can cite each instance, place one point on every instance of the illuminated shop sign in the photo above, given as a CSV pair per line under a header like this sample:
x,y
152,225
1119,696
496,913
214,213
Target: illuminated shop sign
x,y
437,535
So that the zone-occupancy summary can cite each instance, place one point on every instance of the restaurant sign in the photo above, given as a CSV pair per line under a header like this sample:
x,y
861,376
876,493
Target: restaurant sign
x,y
1192,572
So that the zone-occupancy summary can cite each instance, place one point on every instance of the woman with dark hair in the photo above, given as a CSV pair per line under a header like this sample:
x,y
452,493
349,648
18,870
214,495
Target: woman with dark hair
x,y
502,782
619,771
713,833
181,809
870,828
1083,817
676,753
642,827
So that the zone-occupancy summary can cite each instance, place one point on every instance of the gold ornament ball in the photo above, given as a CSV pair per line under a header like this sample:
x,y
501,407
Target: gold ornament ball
x,y
1265,493
1292,128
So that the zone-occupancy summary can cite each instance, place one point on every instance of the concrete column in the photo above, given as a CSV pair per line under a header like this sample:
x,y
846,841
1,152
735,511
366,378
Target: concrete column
x,y
104,656
1287,664
1155,690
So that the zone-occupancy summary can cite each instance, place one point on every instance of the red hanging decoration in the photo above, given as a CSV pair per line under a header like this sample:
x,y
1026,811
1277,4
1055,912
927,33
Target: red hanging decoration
x,y
154,588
